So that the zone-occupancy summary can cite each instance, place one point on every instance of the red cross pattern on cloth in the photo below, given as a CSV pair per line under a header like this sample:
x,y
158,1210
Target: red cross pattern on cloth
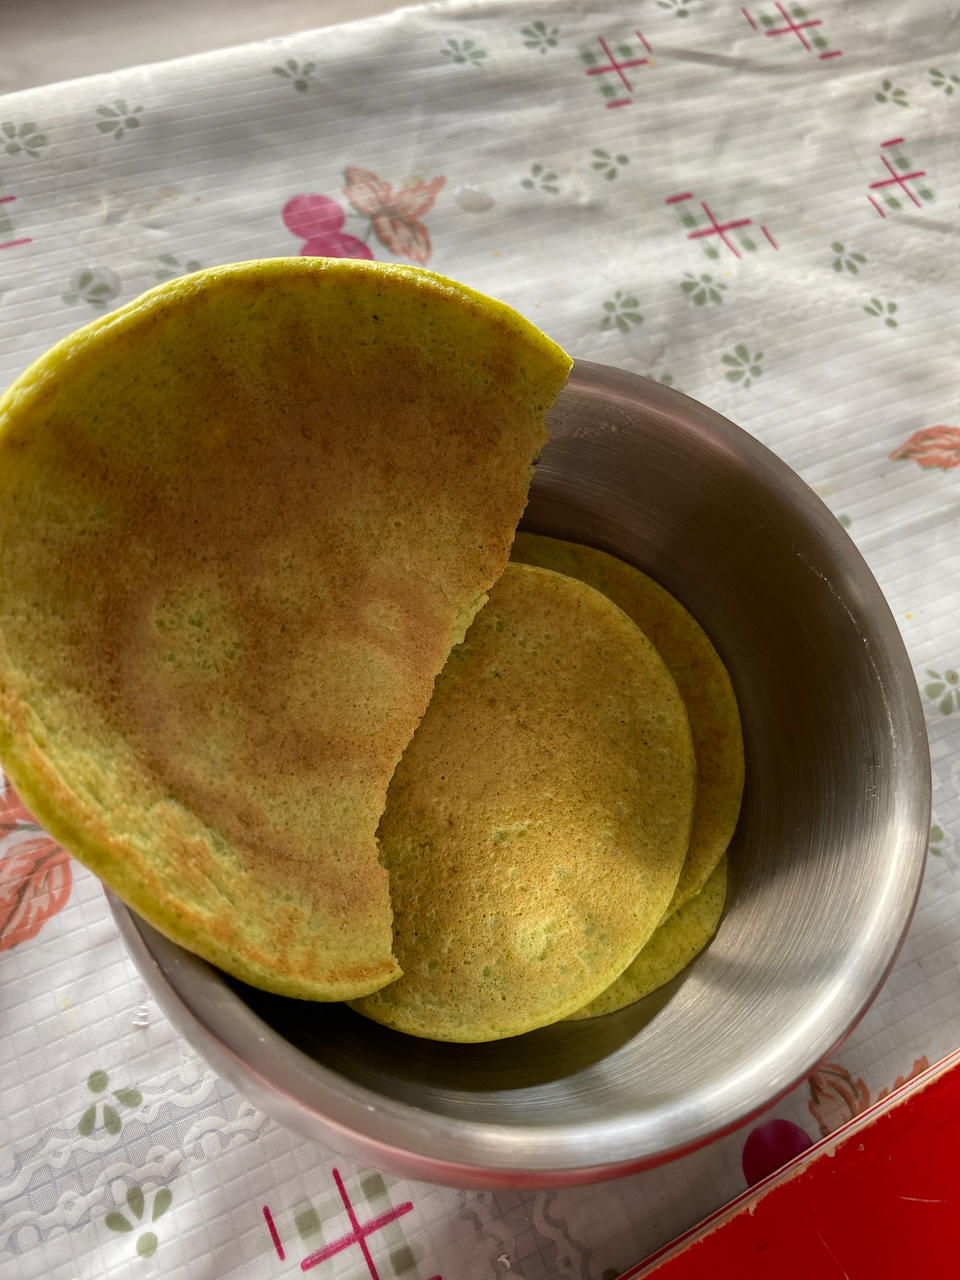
x,y
897,183
797,24
357,1235
11,244
715,228
619,68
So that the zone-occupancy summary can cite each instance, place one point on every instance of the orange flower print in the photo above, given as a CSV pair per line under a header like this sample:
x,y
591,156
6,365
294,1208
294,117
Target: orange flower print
x,y
919,1066
35,884
931,447
395,215
835,1097
35,876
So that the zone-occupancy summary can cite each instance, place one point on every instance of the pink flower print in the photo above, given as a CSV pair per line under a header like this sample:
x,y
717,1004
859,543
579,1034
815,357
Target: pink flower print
x,y
395,214
769,1146
318,221
35,883
35,877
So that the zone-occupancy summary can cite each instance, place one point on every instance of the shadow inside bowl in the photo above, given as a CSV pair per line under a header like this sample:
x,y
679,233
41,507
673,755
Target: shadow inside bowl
x,y
353,1046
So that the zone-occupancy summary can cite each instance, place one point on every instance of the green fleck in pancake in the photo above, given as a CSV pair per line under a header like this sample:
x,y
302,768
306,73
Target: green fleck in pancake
x,y
675,943
701,678
242,522
537,823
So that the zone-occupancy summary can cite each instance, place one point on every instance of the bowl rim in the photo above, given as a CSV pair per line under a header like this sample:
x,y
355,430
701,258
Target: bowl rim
x,y
316,1101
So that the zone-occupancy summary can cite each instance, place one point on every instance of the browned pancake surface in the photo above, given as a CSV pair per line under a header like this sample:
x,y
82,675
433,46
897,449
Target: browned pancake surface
x,y
241,522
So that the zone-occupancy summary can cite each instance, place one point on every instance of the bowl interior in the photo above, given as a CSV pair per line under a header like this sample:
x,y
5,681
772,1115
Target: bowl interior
x,y
824,867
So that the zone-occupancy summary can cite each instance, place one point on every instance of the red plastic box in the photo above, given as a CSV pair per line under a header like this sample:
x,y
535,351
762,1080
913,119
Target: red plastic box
x,y
876,1200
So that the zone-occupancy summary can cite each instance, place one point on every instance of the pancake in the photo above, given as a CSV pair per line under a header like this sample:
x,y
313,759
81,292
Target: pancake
x,y
242,522
700,676
538,820
681,937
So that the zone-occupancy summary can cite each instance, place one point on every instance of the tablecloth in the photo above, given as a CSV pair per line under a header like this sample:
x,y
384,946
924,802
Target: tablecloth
x,y
758,205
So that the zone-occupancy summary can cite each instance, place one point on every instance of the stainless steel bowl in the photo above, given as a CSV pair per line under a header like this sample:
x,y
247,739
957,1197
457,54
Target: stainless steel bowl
x,y
825,866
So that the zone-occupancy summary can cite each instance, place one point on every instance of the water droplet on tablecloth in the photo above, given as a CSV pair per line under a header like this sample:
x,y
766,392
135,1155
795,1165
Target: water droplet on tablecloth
x,y
474,200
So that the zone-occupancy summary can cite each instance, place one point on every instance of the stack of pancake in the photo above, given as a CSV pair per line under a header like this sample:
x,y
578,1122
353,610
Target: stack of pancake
x,y
265,668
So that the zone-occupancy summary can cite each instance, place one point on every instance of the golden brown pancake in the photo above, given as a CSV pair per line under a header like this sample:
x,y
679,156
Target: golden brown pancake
x,y
242,522
701,678
538,820
677,941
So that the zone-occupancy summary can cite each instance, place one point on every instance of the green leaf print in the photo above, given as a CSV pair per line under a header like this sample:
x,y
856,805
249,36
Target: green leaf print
x,y
621,312
946,82
743,368
464,51
129,1097
702,289
118,118
846,259
541,179
608,164
539,36
944,690
884,310
98,1082
297,74
136,1202
161,1203
23,139
170,267
888,93
94,285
